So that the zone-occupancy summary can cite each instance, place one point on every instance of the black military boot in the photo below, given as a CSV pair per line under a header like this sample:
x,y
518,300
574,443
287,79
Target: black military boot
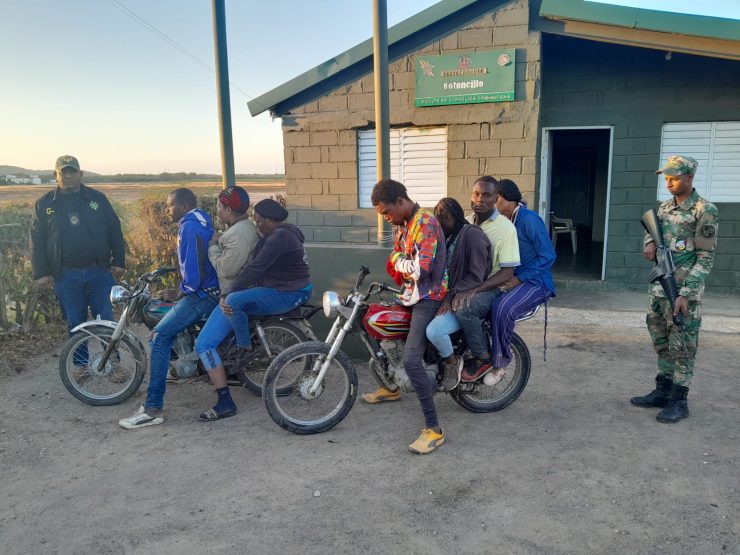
x,y
678,406
658,397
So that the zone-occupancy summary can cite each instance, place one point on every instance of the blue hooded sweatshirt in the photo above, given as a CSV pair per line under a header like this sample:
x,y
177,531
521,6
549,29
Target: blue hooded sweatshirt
x,y
197,272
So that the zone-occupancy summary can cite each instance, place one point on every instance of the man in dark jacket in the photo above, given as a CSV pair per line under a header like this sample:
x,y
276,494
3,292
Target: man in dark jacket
x,y
276,280
77,247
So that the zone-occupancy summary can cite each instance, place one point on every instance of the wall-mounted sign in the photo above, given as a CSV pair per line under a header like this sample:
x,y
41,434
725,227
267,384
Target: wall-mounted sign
x,y
465,78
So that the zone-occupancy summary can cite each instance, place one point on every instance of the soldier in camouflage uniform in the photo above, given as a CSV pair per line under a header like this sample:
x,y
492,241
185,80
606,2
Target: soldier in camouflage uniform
x,y
689,225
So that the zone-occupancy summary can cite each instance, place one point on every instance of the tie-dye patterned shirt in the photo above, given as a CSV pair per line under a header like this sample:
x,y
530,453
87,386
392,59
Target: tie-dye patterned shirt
x,y
418,259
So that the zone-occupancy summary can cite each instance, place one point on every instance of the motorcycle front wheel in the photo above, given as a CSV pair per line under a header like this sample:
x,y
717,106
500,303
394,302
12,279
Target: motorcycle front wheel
x,y
302,411
114,382
479,397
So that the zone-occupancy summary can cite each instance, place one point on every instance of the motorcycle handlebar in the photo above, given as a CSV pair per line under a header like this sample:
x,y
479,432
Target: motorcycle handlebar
x,y
151,276
377,287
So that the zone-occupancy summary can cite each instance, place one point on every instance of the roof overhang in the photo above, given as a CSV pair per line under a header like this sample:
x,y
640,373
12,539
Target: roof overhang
x,y
689,34
404,38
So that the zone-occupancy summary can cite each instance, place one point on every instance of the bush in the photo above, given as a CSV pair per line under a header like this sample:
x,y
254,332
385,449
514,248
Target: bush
x,y
17,289
151,242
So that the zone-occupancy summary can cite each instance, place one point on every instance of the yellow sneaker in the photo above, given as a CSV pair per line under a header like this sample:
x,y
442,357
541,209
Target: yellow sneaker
x,y
380,395
427,441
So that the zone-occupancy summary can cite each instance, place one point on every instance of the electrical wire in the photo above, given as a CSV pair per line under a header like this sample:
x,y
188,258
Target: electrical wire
x,y
174,44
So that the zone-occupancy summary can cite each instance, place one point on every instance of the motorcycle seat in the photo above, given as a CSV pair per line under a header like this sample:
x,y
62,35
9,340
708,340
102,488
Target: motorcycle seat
x,y
300,312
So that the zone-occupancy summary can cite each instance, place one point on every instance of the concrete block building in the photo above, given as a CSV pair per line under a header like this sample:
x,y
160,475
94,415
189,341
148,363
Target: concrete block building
x,y
594,98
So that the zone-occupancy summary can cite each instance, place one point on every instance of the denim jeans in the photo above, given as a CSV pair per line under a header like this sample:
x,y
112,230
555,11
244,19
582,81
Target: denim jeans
x,y
80,289
439,331
257,301
217,329
186,312
471,321
413,358
261,301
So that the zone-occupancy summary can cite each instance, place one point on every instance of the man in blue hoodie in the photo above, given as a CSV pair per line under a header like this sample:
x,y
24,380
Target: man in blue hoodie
x,y
197,296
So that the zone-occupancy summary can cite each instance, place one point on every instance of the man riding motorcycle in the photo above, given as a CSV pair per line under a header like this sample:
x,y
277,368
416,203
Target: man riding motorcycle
x,y
196,297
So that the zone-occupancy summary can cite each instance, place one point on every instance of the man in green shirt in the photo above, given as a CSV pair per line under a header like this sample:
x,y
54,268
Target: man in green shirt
x,y
473,306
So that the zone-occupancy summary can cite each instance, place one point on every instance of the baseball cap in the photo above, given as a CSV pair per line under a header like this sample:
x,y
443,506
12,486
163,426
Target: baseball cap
x,y
235,198
677,165
67,161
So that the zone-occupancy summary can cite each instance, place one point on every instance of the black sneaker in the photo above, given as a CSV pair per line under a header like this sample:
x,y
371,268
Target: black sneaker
x,y
243,356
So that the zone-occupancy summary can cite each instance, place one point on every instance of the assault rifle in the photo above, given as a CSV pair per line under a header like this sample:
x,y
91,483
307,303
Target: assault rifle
x,y
664,266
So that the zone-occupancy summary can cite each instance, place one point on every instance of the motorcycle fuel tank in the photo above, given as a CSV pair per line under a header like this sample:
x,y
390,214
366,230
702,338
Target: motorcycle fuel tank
x,y
155,310
384,321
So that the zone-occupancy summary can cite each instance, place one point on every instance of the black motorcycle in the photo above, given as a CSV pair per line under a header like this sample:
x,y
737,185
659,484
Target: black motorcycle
x,y
103,362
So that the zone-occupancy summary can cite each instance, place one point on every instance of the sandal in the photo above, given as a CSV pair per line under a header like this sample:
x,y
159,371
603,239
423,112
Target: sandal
x,y
210,415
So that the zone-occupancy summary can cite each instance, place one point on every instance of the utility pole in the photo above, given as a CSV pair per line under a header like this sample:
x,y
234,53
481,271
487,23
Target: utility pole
x,y
224,99
382,118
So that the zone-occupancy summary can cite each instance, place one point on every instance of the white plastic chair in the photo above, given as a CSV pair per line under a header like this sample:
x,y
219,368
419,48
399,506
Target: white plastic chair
x,y
563,225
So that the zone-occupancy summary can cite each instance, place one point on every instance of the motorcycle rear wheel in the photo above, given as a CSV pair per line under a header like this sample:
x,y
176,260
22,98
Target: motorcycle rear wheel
x,y
115,382
302,412
478,397
280,335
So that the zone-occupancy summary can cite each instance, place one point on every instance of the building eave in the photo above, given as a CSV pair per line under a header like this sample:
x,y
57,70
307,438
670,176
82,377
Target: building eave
x,y
689,34
404,38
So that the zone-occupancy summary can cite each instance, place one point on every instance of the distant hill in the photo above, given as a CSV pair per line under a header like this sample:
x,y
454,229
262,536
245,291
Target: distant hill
x,y
13,170
165,177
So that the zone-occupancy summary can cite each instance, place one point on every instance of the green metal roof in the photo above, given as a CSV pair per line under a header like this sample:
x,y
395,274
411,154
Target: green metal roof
x,y
443,18
646,20
408,36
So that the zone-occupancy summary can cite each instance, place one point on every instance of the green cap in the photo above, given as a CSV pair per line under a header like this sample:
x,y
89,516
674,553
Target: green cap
x,y
677,165
67,161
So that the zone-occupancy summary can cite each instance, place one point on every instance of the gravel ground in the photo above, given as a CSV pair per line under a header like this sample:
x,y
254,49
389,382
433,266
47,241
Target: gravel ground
x,y
571,467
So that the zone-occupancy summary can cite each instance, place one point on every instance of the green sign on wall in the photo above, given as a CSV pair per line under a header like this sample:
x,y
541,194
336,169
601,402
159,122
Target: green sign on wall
x,y
465,78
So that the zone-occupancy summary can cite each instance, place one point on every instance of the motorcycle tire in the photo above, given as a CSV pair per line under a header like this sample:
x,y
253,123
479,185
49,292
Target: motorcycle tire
x,y
478,397
116,383
281,335
294,368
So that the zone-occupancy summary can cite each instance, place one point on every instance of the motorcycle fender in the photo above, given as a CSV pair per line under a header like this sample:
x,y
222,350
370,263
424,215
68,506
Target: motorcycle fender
x,y
92,323
112,325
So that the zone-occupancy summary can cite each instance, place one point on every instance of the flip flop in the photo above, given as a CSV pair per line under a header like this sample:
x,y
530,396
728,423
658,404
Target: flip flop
x,y
210,415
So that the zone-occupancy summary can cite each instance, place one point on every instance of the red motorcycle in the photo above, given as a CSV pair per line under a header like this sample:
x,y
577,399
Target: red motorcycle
x,y
310,387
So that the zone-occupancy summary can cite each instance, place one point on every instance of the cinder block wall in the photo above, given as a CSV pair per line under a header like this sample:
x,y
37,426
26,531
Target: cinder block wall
x,y
637,90
501,139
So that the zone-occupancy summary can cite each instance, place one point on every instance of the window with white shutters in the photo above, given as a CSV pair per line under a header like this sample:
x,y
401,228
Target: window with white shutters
x,y
418,160
716,146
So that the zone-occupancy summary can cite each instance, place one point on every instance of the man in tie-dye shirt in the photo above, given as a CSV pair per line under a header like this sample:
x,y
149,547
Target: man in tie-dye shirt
x,y
418,264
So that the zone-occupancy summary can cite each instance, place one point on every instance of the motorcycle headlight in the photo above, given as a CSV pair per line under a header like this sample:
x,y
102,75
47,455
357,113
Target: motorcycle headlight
x,y
119,294
331,303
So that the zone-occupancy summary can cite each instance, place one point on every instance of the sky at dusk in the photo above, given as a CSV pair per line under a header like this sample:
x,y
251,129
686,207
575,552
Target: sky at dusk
x,y
82,77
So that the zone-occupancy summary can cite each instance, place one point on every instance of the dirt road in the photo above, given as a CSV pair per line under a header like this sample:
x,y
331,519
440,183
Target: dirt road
x,y
571,467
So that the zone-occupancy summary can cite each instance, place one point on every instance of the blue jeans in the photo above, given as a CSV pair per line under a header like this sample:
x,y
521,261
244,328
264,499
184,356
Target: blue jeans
x,y
78,290
439,331
186,312
471,321
257,301
81,289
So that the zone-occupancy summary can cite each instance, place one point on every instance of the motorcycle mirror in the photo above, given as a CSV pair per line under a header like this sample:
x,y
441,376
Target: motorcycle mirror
x,y
364,271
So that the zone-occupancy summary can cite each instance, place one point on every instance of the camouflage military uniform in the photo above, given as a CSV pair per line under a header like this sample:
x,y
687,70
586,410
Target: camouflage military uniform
x,y
690,232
